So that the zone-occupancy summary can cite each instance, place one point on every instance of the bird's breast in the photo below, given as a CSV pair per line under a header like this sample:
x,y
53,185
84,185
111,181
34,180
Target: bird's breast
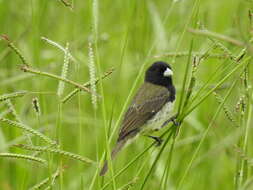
x,y
156,122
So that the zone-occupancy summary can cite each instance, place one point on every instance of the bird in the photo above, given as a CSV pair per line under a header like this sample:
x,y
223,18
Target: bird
x,y
150,109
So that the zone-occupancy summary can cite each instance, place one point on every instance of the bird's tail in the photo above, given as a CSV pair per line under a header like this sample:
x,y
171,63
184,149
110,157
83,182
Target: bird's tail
x,y
120,144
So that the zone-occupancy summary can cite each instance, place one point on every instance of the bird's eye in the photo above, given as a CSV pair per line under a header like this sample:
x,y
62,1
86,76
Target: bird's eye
x,y
161,70
157,70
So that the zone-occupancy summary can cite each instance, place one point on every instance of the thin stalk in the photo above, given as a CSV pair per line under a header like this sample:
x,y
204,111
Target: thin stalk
x,y
57,151
185,80
22,156
87,84
42,73
46,181
28,129
156,160
216,86
4,97
246,138
169,161
218,36
55,44
95,23
245,118
204,137
59,140
186,54
15,49
212,77
195,5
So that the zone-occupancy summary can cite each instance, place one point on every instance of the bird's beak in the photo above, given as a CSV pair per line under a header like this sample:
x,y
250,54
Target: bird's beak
x,y
168,72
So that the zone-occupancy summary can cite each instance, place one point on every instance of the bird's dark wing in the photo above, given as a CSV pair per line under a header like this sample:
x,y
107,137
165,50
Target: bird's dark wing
x,y
148,101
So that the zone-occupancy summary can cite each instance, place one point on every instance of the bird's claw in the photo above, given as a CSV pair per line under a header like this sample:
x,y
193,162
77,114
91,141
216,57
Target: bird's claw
x,y
175,122
157,139
173,119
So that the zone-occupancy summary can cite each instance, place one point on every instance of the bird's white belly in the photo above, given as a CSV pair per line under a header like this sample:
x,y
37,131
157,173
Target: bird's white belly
x,y
160,117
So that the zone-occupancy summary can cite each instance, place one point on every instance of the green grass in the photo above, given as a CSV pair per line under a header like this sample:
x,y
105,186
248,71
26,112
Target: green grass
x,y
81,62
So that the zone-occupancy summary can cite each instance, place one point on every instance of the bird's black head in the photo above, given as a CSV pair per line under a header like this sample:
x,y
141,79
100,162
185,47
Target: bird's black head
x,y
159,73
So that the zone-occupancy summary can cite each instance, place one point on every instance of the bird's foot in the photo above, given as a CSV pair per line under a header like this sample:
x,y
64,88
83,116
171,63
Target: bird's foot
x,y
173,119
175,122
157,139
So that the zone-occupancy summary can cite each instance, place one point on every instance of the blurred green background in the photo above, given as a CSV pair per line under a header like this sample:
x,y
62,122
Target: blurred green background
x,y
127,36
